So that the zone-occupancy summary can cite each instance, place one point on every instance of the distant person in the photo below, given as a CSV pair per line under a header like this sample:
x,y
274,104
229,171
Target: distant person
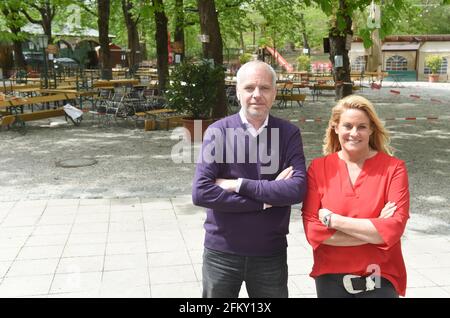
x,y
249,191
356,207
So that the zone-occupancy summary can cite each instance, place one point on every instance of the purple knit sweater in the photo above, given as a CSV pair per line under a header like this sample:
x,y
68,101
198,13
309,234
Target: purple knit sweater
x,y
236,222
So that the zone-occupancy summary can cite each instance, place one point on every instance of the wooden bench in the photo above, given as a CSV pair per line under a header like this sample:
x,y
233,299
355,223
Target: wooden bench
x,y
375,78
42,114
160,111
19,119
7,120
151,117
321,79
155,112
318,88
113,83
18,102
79,93
168,122
13,88
299,98
359,76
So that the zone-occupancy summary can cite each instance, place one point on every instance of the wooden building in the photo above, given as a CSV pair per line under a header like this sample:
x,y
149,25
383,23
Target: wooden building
x,y
405,55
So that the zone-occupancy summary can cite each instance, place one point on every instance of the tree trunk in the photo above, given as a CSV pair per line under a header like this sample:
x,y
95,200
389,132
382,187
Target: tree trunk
x,y
375,60
241,35
47,15
338,40
7,60
19,60
179,28
103,29
143,47
12,22
133,35
305,36
253,35
162,51
306,44
209,25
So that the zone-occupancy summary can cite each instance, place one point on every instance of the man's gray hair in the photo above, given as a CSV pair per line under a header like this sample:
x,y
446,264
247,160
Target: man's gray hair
x,y
255,63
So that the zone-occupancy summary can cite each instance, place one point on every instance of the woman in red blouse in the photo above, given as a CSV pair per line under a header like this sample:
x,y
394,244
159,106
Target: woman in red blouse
x,y
356,207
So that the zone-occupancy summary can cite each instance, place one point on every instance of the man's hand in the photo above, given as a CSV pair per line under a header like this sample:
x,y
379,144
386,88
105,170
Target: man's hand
x,y
285,174
228,185
388,210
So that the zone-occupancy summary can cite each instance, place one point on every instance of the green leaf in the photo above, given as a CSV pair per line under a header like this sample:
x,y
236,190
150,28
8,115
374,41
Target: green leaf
x,y
365,35
194,88
326,6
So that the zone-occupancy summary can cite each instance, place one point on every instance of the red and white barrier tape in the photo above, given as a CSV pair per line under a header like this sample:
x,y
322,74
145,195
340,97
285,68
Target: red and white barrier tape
x,y
318,119
434,100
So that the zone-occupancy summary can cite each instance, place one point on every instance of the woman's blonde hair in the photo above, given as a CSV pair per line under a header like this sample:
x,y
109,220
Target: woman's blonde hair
x,y
379,139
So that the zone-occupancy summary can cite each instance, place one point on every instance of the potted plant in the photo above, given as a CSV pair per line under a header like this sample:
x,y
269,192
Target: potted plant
x,y
193,92
433,62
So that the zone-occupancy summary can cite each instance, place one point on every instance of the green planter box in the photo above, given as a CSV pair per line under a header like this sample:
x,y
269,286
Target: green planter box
x,y
404,76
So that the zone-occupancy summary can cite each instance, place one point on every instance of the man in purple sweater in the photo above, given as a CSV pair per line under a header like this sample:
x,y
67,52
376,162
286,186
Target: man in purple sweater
x,y
250,171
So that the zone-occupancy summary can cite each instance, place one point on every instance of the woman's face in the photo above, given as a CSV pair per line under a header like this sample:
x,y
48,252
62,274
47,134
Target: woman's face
x,y
354,130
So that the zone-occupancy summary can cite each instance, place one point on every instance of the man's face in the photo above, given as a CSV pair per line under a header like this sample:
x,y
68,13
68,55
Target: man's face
x,y
256,92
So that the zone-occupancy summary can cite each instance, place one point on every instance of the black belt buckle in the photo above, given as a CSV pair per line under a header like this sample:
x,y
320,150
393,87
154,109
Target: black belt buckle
x,y
355,284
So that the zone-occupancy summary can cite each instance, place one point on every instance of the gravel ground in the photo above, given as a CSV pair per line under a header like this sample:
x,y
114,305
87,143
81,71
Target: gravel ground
x,y
135,163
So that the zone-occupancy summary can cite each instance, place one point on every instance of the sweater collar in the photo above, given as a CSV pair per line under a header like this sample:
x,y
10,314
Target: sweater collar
x,y
249,126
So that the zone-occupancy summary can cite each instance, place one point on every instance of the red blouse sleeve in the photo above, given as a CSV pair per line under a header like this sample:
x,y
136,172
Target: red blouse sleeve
x,y
315,231
391,229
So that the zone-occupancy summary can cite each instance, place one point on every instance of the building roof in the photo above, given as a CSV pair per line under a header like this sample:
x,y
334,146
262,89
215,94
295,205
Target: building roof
x,y
418,38
396,46
66,30
412,38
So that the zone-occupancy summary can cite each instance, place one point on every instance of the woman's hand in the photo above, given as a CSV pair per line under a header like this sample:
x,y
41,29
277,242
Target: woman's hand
x,y
388,210
323,212
322,217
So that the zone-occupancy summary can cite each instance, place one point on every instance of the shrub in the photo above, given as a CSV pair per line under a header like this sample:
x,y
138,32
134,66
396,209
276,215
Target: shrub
x,y
245,57
303,63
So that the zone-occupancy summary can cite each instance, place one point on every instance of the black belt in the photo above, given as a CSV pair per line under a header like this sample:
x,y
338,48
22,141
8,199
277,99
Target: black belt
x,y
354,284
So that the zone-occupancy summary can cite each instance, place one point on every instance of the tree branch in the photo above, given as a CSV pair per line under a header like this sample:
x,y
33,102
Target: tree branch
x,y
25,13
33,5
52,12
94,13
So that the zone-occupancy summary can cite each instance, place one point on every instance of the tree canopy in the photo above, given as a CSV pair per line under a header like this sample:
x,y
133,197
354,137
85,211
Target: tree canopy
x,y
244,23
